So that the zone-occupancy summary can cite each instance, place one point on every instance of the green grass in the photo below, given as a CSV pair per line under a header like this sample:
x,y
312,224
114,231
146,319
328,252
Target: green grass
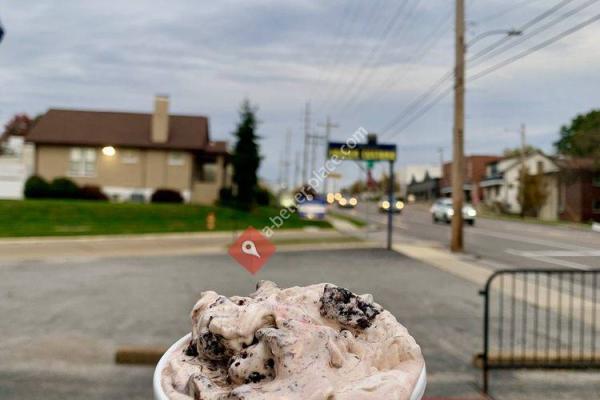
x,y
357,222
64,217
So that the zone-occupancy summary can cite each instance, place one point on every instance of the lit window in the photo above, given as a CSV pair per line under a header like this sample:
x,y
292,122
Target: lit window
x,y
129,156
82,161
176,158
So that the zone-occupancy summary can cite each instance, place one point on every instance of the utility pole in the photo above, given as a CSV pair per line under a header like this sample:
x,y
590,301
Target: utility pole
x,y
328,125
456,244
296,177
441,154
286,157
306,142
523,170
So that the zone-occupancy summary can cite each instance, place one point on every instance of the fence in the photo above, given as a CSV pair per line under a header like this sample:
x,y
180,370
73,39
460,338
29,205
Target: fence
x,y
541,319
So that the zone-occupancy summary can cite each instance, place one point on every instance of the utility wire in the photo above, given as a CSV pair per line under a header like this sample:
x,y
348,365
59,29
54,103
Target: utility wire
x,y
365,71
391,80
521,39
522,28
416,104
340,50
500,65
388,28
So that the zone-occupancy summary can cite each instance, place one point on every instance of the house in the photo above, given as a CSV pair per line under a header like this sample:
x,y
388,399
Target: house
x,y
427,189
130,155
579,190
416,172
16,165
474,173
501,183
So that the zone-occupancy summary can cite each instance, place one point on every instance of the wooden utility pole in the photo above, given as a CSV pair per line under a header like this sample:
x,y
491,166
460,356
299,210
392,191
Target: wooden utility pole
x,y
458,170
328,125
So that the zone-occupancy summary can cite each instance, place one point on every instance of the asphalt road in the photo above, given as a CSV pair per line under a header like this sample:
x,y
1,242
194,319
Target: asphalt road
x,y
61,322
495,243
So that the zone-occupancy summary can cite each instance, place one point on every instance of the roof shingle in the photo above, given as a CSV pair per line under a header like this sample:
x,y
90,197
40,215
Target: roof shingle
x,y
101,128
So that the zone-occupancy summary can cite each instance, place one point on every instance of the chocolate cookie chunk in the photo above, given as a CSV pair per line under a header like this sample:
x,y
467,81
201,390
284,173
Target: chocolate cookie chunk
x,y
347,308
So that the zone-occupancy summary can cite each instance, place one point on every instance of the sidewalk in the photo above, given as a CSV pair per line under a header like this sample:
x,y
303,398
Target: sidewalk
x,y
95,247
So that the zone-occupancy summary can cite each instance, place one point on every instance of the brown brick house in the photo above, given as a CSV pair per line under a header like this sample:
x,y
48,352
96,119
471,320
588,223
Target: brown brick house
x,y
474,173
129,155
579,190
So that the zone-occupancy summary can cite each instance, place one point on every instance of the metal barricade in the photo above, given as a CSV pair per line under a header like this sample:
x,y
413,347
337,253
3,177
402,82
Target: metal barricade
x,y
540,319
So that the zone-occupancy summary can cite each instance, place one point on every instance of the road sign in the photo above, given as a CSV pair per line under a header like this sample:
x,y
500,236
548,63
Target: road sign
x,y
363,151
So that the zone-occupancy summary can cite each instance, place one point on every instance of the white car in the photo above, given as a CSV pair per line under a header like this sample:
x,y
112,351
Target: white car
x,y
442,211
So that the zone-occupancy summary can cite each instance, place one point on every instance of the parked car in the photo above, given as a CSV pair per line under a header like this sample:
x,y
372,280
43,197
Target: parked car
x,y
314,209
442,211
397,205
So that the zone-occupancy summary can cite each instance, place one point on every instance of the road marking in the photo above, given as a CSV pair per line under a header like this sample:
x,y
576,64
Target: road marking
x,y
556,253
562,263
523,239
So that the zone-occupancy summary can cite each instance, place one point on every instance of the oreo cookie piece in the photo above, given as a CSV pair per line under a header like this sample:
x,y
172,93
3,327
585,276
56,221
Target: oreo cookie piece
x,y
347,308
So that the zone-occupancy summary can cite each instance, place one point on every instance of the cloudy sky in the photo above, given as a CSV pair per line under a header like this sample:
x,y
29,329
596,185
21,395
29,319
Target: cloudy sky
x,y
361,61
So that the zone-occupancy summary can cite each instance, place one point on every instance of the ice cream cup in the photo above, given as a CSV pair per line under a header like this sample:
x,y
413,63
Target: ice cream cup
x,y
159,393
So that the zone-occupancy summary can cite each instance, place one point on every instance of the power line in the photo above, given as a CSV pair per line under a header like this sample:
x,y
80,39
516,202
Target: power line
x,y
533,49
417,55
344,31
388,28
522,28
498,66
431,91
533,33
375,53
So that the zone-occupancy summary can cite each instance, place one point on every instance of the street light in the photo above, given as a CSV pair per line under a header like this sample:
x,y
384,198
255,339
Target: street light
x,y
507,32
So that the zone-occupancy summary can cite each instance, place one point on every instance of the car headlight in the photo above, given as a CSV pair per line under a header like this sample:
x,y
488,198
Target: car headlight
x,y
353,201
450,212
471,213
399,205
337,196
343,202
330,198
385,205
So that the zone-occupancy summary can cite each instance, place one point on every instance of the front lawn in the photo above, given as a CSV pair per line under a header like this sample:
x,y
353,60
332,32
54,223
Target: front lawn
x,y
64,217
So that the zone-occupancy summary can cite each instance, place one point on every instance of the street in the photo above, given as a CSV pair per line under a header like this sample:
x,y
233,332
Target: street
x,y
494,243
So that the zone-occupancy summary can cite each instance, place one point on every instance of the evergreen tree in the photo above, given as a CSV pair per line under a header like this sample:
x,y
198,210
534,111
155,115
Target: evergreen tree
x,y
246,158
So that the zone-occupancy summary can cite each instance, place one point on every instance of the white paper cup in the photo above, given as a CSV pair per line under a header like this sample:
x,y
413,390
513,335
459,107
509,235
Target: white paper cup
x,y
159,393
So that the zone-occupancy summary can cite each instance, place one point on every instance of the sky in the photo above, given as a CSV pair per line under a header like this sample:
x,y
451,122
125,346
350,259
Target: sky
x,y
361,62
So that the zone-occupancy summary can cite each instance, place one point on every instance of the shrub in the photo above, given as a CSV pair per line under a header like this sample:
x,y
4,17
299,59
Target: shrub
x,y
226,197
262,197
36,188
166,196
64,188
91,192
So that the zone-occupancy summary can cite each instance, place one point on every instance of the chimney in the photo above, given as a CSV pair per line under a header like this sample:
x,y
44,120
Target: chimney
x,y
160,119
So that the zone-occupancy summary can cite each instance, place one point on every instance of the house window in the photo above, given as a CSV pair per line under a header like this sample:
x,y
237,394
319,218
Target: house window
x,y
129,156
596,180
540,167
596,206
82,161
208,172
176,158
